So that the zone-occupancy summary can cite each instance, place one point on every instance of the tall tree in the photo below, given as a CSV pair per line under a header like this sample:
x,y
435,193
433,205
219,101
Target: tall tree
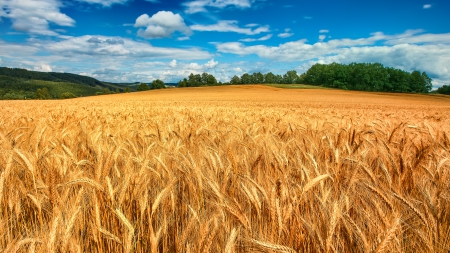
x,y
416,82
235,80
269,78
246,78
258,78
290,77
427,80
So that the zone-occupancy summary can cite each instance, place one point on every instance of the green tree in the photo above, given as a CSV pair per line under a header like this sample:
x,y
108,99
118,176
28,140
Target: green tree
x,y
158,84
183,83
416,82
142,87
246,78
43,93
235,80
314,75
445,89
127,90
290,77
257,78
278,79
427,80
194,80
269,78
106,91
66,95
208,79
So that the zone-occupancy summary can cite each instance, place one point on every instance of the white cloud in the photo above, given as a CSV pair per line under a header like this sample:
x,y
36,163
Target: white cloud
x,y
410,50
200,5
211,64
85,49
183,38
286,33
104,2
324,31
427,6
160,25
230,26
322,37
106,58
34,16
307,17
43,68
267,37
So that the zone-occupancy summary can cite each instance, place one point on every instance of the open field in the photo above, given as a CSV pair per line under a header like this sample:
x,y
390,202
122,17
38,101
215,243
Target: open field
x,y
226,169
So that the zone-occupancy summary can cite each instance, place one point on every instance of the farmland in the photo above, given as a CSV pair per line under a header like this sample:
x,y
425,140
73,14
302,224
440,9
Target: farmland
x,y
226,169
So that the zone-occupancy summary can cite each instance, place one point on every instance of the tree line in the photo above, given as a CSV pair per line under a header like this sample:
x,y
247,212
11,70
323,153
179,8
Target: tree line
x,y
445,89
367,77
354,76
156,84
195,80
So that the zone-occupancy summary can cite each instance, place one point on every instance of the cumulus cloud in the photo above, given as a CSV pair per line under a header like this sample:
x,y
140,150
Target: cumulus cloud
x,y
230,26
34,16
43,68
160,25
427,6
211,64
267,37
201,5
322,37
173,63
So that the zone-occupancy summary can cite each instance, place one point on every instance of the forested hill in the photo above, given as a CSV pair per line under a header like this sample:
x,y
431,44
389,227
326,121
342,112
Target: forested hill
x,y
51,76
24,84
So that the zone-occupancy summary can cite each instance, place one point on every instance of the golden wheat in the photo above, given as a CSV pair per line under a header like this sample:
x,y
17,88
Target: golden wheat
x,y
226,169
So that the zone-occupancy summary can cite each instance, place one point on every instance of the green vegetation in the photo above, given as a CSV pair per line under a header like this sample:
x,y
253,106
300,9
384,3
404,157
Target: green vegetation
x,y
18,88
66,95
24,84
367,77
142,87
158,84
445,89
51,76
204,79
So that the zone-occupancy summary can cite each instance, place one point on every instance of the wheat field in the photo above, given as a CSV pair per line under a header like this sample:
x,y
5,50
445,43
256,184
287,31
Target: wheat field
x,y
226,169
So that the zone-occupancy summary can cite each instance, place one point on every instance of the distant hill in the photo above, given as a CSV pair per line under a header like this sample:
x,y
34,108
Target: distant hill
x,y
18,83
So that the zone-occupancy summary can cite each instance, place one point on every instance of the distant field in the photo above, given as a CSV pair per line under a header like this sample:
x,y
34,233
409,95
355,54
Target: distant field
x,y
246,168
297,86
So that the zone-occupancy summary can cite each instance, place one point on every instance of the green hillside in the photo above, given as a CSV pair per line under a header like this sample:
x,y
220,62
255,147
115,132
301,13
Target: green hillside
x,y
25,84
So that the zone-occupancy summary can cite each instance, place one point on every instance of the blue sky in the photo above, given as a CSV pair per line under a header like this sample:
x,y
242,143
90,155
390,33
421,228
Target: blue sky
x,y
142,40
